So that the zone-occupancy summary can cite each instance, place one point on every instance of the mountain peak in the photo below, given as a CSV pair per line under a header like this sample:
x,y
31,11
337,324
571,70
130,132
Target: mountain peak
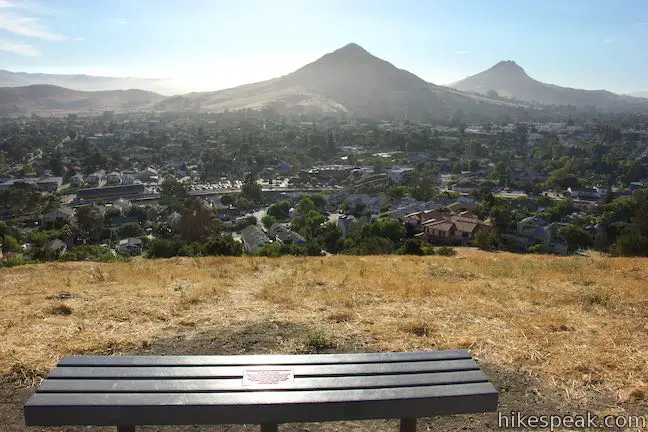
x,y
351,49
508,66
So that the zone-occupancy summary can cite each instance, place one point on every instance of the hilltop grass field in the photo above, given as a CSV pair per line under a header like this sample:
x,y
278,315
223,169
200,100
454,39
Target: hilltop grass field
x,y
556,334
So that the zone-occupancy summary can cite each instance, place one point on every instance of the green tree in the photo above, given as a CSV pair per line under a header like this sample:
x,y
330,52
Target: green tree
x,y
486,240
197,223
330,237
501,218
319,201
10,244
304,205
389,228
90,221
280,211
268,220
227,200
576,237
251,189
131,229
173,194
56,165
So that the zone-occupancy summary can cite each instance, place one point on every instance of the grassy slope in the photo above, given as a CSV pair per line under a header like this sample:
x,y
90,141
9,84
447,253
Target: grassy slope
x,y
579,325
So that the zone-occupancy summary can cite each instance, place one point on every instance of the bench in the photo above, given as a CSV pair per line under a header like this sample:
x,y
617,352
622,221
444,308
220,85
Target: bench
x,y
126,391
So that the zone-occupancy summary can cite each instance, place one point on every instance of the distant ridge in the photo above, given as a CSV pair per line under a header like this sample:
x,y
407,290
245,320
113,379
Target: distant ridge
x,y
49,99
510,80
81,82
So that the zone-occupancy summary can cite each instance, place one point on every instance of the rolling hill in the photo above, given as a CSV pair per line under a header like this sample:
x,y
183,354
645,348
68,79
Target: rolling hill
x,y
48,99
348,80
510,80
83,82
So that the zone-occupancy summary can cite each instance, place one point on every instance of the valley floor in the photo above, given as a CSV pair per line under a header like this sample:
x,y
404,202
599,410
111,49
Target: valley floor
x,y
556,334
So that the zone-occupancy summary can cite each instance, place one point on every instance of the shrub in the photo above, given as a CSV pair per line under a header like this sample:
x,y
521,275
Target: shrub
x,y
16,260
91,253
161,248
223,245
316,341
445,251
412,247
536,249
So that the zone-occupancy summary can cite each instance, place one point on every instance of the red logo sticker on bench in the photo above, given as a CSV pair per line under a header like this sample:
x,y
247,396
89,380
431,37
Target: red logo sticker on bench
x,y
267,377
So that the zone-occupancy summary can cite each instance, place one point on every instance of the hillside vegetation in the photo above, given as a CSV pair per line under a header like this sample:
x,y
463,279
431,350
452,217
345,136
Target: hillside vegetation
x,y
575,328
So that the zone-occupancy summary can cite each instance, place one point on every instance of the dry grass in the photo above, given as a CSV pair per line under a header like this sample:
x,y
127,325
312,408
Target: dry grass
x,y
578,324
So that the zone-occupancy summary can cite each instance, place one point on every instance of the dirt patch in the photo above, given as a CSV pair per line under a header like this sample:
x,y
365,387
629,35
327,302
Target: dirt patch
x,y
519,392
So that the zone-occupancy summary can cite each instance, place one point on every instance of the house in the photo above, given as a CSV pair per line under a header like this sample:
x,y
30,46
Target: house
x,y
284,168
281,232
532,227
414,222
399,174
122,205
128,179
453,229
535,231
460,206
149,175
114,178
174,219
49,184
344,223
438,231
64,214
76,181
464,187
253,238
55,248
130,246
95,178
583,193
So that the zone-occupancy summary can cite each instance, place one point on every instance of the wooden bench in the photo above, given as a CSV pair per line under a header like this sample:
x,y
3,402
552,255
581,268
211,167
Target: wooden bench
x,y
126,391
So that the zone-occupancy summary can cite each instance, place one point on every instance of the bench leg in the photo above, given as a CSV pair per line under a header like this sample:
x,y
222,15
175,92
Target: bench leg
x,y
408,425
125,428
269,427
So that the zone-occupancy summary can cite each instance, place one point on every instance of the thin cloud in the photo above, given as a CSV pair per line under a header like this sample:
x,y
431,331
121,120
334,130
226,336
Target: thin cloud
x,y
31,6
27,26
611,39
462,52
122,21
19,48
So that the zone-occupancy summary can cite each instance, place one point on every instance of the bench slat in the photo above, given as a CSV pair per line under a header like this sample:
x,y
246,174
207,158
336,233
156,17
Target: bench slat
x,y
232,360
258,406
237,371
236,384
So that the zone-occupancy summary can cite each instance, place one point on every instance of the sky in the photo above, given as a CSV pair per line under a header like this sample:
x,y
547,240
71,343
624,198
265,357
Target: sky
x,y
206,45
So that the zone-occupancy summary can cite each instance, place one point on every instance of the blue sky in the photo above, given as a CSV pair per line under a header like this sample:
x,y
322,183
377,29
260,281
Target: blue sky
x,y
208,45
